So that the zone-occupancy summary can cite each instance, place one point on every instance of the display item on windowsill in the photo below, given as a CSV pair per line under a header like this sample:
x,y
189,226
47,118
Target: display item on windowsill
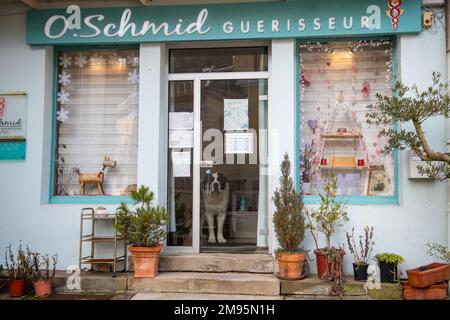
x,y
243,205
360,162
323,162
100,212
341,130
95,178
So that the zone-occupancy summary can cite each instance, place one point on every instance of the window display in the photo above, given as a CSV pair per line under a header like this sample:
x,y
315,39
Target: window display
x,y
338,81
96,122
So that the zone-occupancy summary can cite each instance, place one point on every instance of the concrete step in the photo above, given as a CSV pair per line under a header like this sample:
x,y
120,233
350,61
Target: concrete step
x,y
315,287
213,283
215,262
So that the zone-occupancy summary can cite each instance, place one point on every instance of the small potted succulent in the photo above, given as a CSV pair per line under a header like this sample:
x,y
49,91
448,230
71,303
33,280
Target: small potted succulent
x,y
327,219
388,263
289,224
144,229
361,255
19,270
42,275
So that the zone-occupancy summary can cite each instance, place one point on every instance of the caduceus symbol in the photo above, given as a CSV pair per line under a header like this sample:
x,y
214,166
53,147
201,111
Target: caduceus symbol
x,y
395,12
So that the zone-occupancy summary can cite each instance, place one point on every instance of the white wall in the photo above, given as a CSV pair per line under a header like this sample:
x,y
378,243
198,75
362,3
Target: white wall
x,y
24,214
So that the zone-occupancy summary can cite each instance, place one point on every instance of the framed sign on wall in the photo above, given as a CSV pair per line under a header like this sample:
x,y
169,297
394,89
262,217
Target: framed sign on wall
x,y
13,110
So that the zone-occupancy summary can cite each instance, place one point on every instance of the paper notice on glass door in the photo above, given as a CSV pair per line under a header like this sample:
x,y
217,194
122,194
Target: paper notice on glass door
x,y
235,113
238,143
181,120
181,139
181,164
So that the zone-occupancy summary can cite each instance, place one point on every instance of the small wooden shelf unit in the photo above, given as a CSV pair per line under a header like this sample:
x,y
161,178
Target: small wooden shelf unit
x,y
88,214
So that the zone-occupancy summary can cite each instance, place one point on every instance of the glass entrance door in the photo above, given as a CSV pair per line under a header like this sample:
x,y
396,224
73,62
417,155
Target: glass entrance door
x,y
233,180
217,152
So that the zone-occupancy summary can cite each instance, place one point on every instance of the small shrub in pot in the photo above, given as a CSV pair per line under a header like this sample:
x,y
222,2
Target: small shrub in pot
x,y
144,227
42,274
361,250
388,263
19,270
289,223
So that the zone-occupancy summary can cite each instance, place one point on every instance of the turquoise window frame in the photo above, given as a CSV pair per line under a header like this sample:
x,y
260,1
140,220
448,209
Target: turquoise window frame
x,y
53,199
353,200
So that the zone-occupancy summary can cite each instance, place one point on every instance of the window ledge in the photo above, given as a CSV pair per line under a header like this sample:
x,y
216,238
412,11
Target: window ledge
x,y
90,200
358,200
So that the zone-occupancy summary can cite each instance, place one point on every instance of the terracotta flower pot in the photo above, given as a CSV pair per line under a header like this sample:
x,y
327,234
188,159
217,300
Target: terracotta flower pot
x,y
17,288
322,263
146,261
428,275
433,292
43,288
291,266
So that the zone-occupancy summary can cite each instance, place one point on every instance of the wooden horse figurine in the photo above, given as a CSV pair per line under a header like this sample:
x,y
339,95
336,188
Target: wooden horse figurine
x,y
96,178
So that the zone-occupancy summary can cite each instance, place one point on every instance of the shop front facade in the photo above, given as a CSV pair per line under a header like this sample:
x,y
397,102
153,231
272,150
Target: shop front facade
x,y
200,102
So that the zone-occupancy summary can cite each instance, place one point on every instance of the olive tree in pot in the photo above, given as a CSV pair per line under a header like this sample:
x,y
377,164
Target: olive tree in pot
x,y
361,256
144,230
327,219
42,275
289,224
388,263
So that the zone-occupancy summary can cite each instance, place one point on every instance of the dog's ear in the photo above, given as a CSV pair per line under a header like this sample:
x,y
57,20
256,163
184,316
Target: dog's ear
x,y
222,180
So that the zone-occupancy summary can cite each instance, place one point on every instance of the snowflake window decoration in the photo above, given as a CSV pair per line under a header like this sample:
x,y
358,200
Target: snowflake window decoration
x,y
65,60
63,96
113,59
133,77
62,115
133,94
64,78
133,60
80,60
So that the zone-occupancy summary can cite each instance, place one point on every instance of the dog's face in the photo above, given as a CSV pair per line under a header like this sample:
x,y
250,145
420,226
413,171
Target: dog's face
x,y
216,181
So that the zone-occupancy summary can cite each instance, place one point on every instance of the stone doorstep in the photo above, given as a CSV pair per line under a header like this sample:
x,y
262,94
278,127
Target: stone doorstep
x,y
314,287
176,282
221,283
215,262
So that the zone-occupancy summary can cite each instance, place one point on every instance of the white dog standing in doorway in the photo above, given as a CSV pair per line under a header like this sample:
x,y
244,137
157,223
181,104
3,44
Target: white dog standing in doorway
x,y
216,194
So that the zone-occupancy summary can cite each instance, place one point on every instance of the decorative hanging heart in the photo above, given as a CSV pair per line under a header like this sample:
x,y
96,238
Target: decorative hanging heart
x,y
306,78
312,123
365,89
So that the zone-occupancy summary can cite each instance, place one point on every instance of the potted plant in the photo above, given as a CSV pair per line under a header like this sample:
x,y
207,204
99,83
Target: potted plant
x,y
388,263
326,219
42,276
289,224
434,273
3,279
144,230
19,270
361,255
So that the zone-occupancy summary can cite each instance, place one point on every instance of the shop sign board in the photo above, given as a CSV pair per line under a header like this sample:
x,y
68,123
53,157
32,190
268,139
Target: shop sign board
x,y
231,21
13,110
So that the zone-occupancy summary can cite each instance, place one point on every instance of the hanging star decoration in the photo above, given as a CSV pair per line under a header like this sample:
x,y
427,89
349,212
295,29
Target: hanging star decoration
x,y
133,77
64,78
65,60
62,115
63,96
80,60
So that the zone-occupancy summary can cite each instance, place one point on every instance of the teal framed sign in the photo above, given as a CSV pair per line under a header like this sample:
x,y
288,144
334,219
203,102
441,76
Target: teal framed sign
x,y
237,21
13,110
